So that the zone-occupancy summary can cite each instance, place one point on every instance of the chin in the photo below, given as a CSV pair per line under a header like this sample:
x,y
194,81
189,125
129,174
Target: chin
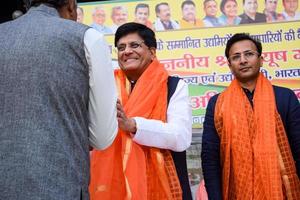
x,y
129,68
247,78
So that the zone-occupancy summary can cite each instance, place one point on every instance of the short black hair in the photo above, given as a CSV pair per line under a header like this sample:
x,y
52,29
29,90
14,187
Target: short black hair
x,y
206,1
160,4
239,37
141,5
143,31
54,3
187,2
222,4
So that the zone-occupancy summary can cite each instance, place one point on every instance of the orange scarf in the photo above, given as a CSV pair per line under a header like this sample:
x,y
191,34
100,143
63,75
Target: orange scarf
x,y
256,159
127,170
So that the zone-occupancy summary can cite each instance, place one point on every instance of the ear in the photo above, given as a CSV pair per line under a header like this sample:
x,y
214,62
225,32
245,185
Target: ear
x,y
229,65
153,53
72,6
261,61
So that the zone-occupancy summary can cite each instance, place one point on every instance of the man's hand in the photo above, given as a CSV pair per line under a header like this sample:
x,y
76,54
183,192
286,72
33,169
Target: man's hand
x,y
125,123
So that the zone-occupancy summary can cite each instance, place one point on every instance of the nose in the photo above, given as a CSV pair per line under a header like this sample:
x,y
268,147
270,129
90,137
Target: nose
x,y
243,58
127,50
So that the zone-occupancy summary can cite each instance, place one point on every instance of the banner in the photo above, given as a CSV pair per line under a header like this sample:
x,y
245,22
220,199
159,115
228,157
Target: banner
x,y
196,54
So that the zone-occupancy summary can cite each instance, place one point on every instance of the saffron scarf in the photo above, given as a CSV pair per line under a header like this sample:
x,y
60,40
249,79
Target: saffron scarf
x,y
256,158
127,170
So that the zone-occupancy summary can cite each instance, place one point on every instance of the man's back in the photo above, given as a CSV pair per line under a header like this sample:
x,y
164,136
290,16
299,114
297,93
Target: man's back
x,y
44,90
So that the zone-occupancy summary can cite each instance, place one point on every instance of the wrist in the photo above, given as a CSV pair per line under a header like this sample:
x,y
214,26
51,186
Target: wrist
x,y
133,125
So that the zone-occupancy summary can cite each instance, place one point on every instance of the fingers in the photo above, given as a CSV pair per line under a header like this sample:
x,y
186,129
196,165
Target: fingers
x,y
125,123
120,111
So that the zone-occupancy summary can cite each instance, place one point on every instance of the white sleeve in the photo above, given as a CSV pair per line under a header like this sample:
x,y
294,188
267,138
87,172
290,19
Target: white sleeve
x,y
176,134
102,111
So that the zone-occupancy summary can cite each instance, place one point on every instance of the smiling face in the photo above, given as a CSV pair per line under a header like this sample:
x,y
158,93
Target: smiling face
x,y
250,7
290,6
119,16
134,59
141,15
99,17
230,9
247,67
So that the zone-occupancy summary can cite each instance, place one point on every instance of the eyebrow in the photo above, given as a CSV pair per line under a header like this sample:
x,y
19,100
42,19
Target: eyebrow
x,y
242,52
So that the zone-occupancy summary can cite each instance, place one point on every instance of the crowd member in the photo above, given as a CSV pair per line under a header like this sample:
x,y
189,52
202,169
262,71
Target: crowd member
x,y
250,143
80,14
119,16
189,19
164,21
58,97
270,11
210,8
142,13
147,159
99,16
290,10
250,14
229,9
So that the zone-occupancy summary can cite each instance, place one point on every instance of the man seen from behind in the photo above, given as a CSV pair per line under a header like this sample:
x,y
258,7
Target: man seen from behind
x,y
58,98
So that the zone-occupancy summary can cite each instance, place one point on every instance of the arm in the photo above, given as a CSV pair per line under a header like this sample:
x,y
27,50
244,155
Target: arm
x,y
175,135
210,154
293,128
103,124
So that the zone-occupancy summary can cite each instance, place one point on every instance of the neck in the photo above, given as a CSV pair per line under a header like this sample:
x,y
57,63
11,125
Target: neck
x,y
210,16
190,21
250,85
230,20
167,22
251,15
291,14
131,77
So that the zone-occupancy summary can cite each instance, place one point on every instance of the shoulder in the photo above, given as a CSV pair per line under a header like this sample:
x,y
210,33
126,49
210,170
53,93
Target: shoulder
x,y
93,37
174,78
260,14
93,33
176,83
157,21
261,17
175,23
243,16
282,91
213,100
284,96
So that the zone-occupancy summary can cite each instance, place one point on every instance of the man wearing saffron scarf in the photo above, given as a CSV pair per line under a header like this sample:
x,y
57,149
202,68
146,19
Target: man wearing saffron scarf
x,y
251,137
147,160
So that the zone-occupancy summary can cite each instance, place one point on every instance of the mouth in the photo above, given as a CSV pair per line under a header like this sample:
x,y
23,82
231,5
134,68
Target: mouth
x,y
244,69
130,60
